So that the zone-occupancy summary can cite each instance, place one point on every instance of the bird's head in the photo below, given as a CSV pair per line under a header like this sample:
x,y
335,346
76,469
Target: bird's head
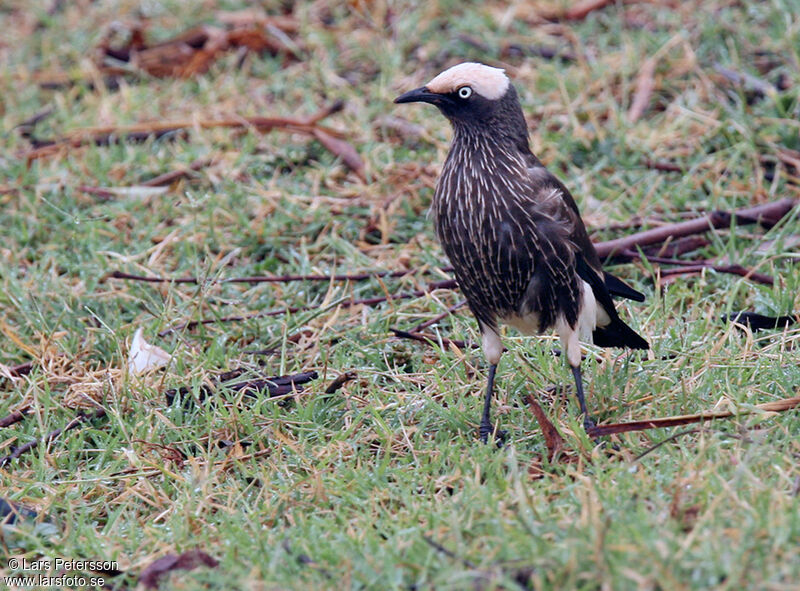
x,y
468,92
477,99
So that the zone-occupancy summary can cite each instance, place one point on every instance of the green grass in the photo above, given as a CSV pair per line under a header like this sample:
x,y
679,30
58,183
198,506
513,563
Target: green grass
x,y
356,481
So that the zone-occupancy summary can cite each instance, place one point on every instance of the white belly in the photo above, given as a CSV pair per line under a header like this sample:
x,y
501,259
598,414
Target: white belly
x,y
528,324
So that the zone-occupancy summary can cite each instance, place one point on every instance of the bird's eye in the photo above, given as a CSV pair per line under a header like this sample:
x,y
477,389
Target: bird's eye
x,y
464,92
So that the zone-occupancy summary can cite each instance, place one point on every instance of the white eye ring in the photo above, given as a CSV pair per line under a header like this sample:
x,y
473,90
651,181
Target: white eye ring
x,y
465,92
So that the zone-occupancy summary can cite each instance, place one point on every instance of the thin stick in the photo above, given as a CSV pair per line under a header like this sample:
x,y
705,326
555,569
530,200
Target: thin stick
x,y
274,386
677,247
14,417
662,166
768,213
20,370
428,323
340,381
430,339
137,132
732,269
672,437
449,553
694,266
76,422
445,284
579,10
169,177
774,406
262,279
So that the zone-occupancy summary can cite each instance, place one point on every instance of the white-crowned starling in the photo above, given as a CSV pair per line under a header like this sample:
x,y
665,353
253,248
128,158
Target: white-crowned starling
x,y
513,232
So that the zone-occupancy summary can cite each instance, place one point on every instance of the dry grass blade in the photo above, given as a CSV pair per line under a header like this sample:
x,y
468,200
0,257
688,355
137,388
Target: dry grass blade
x,y
645,83
775,406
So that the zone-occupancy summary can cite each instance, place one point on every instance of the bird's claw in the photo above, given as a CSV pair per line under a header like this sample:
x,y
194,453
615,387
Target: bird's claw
x,y
499,437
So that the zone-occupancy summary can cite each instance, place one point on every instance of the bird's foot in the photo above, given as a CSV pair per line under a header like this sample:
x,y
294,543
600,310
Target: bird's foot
x,y
484,431
588,425
499,437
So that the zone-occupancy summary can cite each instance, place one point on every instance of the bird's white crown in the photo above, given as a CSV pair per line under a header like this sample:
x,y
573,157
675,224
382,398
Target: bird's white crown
x,y
491,83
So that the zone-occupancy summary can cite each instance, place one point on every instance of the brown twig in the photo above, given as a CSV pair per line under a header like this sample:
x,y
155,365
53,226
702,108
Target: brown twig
x,y
662,166
767,214
695,266
445,284
677,247
672,437
26,126
330,138
76,422
747,81
13,418
263,279
340,381
170,177
273,386
430,339
774,406
20,370
428,323
195,323
731,269
449,553
43,148
519,50
582,8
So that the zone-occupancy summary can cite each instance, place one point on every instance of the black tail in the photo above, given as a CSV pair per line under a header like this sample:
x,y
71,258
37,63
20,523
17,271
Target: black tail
x,y
618,287
618,334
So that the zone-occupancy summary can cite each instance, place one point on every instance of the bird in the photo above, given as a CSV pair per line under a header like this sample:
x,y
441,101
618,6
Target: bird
x,y
513,233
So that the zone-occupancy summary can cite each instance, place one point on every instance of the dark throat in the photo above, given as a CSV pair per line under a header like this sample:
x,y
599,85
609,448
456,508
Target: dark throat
x,y
502,125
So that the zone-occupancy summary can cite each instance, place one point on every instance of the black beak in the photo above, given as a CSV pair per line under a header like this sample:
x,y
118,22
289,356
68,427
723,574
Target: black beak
x,y
419,95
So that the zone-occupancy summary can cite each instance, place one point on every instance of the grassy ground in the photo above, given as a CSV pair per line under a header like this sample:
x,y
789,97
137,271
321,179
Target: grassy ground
x,y
356,481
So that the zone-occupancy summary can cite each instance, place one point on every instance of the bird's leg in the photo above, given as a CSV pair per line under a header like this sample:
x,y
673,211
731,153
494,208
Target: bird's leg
x,y
493,349
588,423
486,423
